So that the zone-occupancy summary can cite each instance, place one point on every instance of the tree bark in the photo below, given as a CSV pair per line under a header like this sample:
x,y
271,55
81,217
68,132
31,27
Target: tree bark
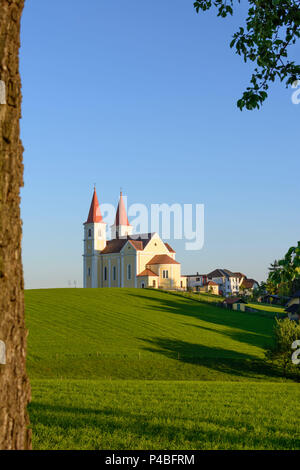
x,y
14,385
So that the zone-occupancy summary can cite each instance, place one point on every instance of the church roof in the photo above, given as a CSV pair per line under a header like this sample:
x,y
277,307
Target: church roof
x,y
162,259
147,272
139,243
95,213
121,216
170,248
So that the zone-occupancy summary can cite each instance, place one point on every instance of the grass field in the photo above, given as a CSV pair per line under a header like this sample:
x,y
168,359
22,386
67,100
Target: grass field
x,y
67,414
128,368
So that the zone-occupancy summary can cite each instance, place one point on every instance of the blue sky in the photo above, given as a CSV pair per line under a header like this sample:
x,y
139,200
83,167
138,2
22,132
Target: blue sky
x,y
142,95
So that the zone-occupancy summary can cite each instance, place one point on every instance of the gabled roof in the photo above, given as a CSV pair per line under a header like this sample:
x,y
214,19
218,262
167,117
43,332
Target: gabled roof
x,y
234,300
240,275
95,213
211,283
224,273
196,275
121,216
147,272
138,242
162,259
170,248
248,283
218,273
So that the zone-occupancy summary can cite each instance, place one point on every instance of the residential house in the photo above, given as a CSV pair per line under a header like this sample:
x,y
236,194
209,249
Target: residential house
x,y
248,286
196,281
210,287
229,282
235,303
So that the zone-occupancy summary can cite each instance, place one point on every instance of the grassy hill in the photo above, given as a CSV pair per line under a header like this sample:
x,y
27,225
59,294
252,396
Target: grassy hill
x,y
148,334
144,369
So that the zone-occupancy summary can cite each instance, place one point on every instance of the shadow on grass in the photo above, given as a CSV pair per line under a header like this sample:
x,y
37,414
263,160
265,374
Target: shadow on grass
x,y
60,422
221,360
251,328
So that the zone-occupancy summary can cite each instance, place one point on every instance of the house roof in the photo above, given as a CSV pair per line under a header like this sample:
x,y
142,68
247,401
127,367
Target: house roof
x,y
147,272
162,259
248,283
121,216
234,300
220,273
139,242
240,275
170,248
196,275
211,283
94,213
225,273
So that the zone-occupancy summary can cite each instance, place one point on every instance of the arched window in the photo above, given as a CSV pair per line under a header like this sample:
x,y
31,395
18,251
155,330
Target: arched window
x,y
90,233
114,273
89,271
105,273
128,271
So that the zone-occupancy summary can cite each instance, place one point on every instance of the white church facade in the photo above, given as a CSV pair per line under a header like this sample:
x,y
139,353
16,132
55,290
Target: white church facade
x,y
126,260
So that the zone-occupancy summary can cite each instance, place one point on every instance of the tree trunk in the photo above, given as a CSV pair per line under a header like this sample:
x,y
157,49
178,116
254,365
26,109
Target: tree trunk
x,y
14,385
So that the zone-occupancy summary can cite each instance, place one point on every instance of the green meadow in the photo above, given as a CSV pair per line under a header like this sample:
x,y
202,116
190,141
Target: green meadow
x,y
145,369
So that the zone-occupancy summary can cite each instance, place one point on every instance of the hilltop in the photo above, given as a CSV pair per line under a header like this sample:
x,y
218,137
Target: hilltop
x,y
141,334
145,369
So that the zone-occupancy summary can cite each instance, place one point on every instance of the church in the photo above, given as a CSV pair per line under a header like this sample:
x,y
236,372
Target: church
x,y
126,260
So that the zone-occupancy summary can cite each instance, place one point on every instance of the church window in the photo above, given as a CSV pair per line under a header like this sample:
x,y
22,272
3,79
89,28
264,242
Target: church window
x,y
90,233
114,273
105,273
89,271
128,271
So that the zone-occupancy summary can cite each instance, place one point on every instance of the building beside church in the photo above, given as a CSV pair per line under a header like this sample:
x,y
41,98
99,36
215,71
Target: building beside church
x,y
126,260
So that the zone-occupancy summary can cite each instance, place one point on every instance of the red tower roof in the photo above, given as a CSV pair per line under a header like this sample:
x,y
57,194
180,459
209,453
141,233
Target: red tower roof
x,y
95,213
121,216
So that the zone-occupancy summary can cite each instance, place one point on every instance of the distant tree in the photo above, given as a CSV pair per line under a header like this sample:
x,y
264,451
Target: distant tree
x,y
285,333
287,273
271,288
274,266
271,29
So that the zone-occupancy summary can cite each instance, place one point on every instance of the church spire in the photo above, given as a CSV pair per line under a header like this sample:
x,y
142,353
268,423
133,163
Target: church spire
x,y
121,227
94,216
121,216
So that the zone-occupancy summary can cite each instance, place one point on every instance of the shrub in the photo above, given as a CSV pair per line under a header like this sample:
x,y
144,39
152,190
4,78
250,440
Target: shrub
x,y
286,332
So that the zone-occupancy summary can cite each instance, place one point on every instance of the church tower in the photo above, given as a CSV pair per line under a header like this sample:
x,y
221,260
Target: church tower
x,y
121,227
94,243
